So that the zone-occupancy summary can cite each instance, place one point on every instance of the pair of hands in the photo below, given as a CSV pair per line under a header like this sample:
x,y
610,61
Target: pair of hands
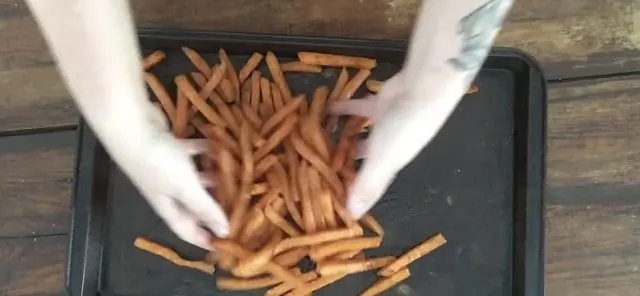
x,y
449,44
164,173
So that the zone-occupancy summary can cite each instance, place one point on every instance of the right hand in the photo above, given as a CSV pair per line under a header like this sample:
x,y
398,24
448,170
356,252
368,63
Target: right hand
x,y
450,42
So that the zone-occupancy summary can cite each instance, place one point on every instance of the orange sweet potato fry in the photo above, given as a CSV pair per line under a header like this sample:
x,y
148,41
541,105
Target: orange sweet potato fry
x,y
153,59
332,60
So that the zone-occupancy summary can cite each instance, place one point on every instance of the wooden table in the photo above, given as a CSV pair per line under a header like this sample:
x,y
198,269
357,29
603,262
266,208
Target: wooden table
x,y
589,50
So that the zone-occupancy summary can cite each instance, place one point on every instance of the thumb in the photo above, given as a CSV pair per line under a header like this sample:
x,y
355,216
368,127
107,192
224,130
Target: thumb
x,y
181,222
205,209
369,186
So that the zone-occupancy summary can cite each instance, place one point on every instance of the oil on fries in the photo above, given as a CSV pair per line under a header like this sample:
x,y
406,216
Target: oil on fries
x,y
280,180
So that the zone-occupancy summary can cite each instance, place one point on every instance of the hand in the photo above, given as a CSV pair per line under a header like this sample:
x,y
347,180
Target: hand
x,y
449,44
161,168
402,125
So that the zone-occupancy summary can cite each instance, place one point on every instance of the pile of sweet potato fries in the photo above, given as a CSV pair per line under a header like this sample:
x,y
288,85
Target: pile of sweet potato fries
x,y
280,179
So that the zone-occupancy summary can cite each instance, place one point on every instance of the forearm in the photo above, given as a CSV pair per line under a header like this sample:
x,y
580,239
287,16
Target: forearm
x,y
450,42
94,45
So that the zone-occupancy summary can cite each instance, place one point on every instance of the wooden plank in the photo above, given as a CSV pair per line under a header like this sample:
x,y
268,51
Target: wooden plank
x,y
36,178
593,141
592,251
590,38
33,266
34,98
570,38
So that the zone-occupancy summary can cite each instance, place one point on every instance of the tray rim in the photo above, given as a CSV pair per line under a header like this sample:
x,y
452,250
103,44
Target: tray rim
x,y
84,227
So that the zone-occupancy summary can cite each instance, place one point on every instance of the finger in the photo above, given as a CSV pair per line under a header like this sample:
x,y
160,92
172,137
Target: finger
x,y
196,199
195,146
362,150
207,179
368,187
365,107
181,222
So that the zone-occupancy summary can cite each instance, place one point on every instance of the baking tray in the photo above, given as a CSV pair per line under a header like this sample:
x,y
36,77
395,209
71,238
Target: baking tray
x,y
479,182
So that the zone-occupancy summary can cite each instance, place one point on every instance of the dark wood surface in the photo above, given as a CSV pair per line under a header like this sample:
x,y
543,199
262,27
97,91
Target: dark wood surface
x,y
593,161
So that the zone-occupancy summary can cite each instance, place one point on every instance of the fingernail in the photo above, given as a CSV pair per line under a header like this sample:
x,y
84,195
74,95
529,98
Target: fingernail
x,y
222,229
358,207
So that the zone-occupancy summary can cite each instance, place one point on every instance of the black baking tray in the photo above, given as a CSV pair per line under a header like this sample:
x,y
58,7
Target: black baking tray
x,y
479,182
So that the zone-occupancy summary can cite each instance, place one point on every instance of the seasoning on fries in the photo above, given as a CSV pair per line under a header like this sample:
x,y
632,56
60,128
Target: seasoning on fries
x,y
279,175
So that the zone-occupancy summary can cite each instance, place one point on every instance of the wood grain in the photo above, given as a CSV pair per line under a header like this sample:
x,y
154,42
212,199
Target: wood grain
x,y
570,38
593,141
33,266
592,250
36,173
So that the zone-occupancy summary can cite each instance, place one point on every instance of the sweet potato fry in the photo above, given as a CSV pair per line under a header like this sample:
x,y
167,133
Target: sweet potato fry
x,y
316,284
369,222
162,95
256,220
214,81
267,101
276,96
185,87
276,138
259,188
373,85
245,92
386,283
153,59
251,65
332,60
264,165
235,284
266,199
353,85
279,116
276,74
327,250
313,135
197,61
247,154
308,218
472,90
255,90
223,108
231,71
283,224
291,257
254,265
275,269
238,211
316,109
315,190
307,153
352,266
341,82
297,66
227,90
414,254
253,116
226,172
224,139
344,215
172,256
325,201
286,287
317,238
182,115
